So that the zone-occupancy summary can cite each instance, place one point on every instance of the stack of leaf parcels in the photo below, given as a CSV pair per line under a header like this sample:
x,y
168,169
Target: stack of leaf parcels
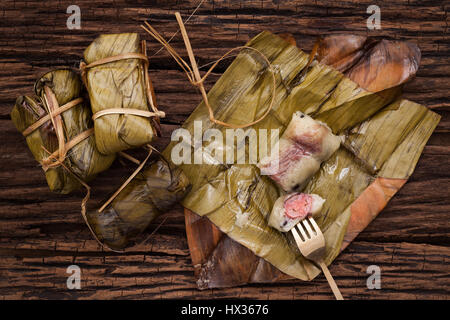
x,y
58,127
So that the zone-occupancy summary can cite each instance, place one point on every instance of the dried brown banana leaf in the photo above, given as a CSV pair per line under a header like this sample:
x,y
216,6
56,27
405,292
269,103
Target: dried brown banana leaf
x,y
288,37
83,159
154,190
387,64
118,84
221,262
237,199
340,51
376,65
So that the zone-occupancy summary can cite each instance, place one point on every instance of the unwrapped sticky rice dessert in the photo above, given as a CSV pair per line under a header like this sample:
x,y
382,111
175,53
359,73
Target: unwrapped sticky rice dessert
x,y
304,145
290,209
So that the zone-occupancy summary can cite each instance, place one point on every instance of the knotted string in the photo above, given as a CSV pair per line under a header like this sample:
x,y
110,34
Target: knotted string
x,y
47,117
193,73
54,112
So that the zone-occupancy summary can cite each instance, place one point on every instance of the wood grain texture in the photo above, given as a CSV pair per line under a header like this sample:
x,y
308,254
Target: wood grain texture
x,y
41,233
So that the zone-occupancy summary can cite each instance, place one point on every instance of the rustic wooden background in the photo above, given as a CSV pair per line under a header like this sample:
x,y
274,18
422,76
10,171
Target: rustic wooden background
x,y
41,233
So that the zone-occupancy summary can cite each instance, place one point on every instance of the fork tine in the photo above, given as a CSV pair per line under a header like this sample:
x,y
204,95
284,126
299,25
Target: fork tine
x,y
302,231
296,237
314,225
308,227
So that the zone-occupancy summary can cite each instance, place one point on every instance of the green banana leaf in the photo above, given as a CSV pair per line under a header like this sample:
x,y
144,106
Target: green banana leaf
x,y
118,84
83,159
383,137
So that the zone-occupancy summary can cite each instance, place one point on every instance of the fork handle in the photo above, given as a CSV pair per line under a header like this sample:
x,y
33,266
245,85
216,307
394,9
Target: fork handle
x,y
330,280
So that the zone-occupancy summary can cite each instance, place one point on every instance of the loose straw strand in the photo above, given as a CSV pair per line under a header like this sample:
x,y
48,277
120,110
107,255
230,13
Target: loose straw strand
x,y
197,76
125,183
84,184
147,77
186,68
185,22
129,158
193,73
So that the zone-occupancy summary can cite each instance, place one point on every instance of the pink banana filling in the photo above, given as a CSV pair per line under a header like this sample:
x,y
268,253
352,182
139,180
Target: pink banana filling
x,y
298,205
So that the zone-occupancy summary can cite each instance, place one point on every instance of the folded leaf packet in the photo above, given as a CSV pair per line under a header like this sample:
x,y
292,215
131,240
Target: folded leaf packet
x,y
115,74
382,139
63,144
154,190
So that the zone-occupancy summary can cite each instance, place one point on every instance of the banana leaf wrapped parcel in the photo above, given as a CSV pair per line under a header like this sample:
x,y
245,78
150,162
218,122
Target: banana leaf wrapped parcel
x,y
382,139
64,144
121,93
154,190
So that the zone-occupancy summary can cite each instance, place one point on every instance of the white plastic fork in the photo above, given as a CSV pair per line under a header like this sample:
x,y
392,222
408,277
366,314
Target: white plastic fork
x,y
311,243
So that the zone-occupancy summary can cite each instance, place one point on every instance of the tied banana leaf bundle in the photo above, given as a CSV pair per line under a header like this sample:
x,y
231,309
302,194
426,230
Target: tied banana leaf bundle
x,y
154,190
120,90
63,143
383,137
